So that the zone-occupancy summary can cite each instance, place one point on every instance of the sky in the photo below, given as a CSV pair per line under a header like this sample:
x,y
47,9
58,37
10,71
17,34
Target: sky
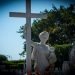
x,y
11,44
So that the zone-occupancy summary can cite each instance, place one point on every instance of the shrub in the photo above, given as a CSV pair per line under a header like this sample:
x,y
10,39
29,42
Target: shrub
x,y
3,58
62,53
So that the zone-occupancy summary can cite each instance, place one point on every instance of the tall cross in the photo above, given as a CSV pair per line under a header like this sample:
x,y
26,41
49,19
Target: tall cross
x,y
28,15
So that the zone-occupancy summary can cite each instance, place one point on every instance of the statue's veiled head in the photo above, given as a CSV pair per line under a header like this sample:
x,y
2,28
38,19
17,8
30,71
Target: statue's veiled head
x,y
44,36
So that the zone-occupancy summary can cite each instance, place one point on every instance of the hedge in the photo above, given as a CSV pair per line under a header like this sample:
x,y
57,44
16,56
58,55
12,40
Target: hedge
x,y
62,53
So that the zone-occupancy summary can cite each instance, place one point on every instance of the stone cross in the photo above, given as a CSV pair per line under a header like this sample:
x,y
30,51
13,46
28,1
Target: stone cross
x,y
28,15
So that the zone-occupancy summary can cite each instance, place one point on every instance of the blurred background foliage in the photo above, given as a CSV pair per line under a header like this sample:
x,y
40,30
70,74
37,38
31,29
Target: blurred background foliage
x,y
60,24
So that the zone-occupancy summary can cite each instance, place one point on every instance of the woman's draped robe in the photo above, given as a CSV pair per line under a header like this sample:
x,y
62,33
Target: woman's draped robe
x,y
43,56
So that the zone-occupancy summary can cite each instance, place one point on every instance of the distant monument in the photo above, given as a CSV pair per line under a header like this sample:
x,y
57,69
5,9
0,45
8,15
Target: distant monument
x,y
43,55
65,68
72,54
68,67
72,59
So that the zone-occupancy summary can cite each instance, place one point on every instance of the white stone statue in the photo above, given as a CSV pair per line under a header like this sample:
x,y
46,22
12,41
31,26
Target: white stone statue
x,y
72,55
65,68
43,54
68,67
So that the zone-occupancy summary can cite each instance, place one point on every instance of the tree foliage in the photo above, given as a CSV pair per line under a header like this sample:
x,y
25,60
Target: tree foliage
x,y
60,24
3,58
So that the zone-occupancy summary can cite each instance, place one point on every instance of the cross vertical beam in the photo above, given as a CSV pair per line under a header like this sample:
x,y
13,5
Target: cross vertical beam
x,y
28,36
28,15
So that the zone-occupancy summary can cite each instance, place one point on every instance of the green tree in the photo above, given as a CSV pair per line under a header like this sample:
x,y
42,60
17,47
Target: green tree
x,y
60,24
3,58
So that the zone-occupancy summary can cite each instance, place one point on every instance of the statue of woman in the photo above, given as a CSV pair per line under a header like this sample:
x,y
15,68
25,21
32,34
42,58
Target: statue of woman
x,y
42,54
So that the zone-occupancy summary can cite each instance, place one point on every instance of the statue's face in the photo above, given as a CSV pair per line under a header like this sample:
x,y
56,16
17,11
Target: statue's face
x,y
44,36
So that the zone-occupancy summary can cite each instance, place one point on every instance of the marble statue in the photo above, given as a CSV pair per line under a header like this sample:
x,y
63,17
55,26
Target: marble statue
x,y
65,68
42,54
68,67
72,59
72,55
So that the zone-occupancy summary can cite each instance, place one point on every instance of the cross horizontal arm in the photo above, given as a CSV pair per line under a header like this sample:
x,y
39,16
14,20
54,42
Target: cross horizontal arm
x,y
17,14
38,15
23,15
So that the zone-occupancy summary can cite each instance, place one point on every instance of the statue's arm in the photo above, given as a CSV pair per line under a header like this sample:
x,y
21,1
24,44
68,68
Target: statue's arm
x,y
34,51
52,56
33,44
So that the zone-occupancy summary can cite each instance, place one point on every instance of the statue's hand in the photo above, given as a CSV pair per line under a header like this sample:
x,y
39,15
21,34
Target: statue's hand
x,y
33,43
52,49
